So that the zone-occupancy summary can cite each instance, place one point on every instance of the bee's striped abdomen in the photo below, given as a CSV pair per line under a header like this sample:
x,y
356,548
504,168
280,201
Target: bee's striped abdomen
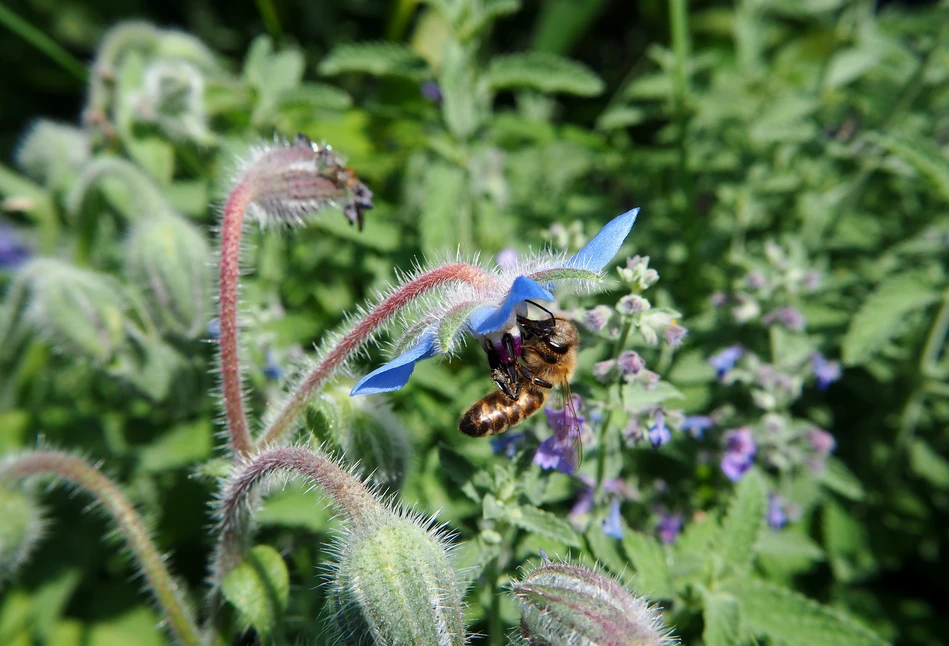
x,y
497,412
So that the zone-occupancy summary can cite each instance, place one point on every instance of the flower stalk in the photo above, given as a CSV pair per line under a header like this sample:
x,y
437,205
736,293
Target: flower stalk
x,y
83,475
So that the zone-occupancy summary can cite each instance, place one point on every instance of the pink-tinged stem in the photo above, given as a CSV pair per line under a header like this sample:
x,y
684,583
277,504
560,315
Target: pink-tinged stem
x,y
361,333
159,579
349,495
231,386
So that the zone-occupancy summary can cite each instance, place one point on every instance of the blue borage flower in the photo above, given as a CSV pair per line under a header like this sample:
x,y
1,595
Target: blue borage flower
x,y
491,310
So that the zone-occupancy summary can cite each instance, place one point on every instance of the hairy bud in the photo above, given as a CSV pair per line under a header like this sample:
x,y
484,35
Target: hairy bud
x,y
81,311
565,604
52,153
368,434
20,530
170,258
172,97
394,584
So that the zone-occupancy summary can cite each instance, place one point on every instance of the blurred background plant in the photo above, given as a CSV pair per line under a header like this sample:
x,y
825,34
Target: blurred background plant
x,y
777,473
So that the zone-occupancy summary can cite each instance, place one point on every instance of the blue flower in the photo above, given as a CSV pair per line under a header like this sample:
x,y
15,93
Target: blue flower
x,y
696,425
659,433
559,451
669,527
826,372
272,369
740,449
775,515
726,359
13,252
490,311
613,523
508,444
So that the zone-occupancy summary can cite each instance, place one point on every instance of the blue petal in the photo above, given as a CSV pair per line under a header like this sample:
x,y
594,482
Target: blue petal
x,y
489,319
605,244
396,373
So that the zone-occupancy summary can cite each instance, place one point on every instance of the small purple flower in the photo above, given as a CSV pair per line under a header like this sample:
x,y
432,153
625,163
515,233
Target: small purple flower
x,y
674,335
775,515
559,451
272,369
718,299
696,425
740,449
812,280
726,359
821,441
631,304
669,527
613,524
583,505
597,318
633,433
659,433
13,252
755,280
508,444
826,372
790,317
431,91
603,369
630,363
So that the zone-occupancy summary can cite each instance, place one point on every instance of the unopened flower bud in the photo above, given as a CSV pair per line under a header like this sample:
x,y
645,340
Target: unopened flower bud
x,y
746,310
170,258
597,318
637,274
20,530
53,153
394,584
81,311
630,363
565,604
632,304
173,97
602,370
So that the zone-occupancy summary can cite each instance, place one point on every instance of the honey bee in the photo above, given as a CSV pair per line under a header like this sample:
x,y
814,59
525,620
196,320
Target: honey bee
x,y
548,358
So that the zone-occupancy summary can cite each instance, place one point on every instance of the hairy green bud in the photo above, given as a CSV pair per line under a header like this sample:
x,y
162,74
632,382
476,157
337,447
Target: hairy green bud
x,y
368,434
53,153
394,584
169,257
567,605
81,311
172,97
20,530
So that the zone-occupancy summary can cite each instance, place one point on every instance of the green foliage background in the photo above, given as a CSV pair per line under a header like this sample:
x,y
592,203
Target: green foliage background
x,y
821,126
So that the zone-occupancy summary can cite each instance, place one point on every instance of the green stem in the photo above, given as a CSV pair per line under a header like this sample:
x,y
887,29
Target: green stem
x,y
495,626
168,593
268,13
604,427
42,42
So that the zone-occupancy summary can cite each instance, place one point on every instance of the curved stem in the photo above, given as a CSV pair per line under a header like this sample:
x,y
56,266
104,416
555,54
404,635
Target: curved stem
x,y
231,230
359,334
167,592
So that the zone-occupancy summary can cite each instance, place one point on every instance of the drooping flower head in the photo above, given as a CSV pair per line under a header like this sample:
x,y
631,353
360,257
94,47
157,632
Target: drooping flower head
x,y
489,308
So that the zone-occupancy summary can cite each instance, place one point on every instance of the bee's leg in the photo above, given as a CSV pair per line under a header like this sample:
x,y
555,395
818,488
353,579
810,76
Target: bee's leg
x,y
537,381
508,386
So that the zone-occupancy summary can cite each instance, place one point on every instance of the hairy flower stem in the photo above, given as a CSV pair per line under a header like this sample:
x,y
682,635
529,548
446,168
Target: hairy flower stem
x,y
348,494
231,231
362,332
159,580
605,425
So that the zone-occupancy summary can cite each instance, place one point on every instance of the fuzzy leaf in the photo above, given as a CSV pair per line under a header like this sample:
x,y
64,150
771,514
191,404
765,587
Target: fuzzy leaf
x,y
649,563
636,397
840,479
463,106
742,525
544,72
606,548
786,617
447,204
544,523
259,587
920,153
722,619
378,59
879,318
315,95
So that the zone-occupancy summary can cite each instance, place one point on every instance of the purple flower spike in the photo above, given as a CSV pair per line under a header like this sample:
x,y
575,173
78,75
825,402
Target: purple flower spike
x,y
775,515
659,433
613,524
669,527
605,245
826,372
726,359
696,425
396,373
740,449
559,451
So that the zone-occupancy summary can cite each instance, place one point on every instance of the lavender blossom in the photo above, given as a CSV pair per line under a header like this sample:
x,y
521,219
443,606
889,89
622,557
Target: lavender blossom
x,y
826,372
632,304
675,334
740,449
613,523
508,444
603,370
630,363
559,451
669,527
775,515
696,425
790,317
597,318
821,441
726,359
659,433
718,299
431,91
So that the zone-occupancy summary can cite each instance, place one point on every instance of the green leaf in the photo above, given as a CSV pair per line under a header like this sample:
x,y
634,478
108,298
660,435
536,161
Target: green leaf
x,y
544,523
928,464
315,95
742,525
920,153
787,617
848,65
155,155
259,587
463,107
620,116
459,470
605,548
544,72
840,479
636,396
722,619
880,317
445,219
649,564
378,59
182,446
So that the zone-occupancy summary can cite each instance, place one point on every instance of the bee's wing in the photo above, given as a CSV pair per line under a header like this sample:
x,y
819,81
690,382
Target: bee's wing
x,y
571,419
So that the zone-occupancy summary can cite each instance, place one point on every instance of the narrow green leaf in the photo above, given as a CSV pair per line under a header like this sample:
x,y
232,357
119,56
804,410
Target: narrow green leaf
x,y
928,464
925,157
259,587
787,617
840,479
544,72
544,523
880,317
378,59
649,564
742,525
722,619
